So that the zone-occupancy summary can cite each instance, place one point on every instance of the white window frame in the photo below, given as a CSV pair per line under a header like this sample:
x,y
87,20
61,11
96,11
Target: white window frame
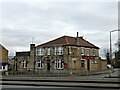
x,y
24,64
55,51
81,63
94,52
59,64
60,50
82,51
48,51
36,52
4,68
88,52
39,64
40,51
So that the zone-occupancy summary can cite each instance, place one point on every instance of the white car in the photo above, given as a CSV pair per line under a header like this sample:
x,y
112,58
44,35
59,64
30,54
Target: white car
x,y
109,66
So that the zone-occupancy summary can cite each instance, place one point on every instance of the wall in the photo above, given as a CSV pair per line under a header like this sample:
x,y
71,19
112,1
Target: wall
x,y
103,64
3,54
3,57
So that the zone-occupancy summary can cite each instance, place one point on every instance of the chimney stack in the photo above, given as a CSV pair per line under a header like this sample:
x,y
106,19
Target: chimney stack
x,y
77,34
32,47
32,56
78,39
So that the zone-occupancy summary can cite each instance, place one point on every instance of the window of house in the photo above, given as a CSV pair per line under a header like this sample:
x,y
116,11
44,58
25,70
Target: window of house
x,y
82,51
94,52
24,64
40,51
88,52
55,52
3,67
0,67
39,64
59,64
48,51
36,52
83,63
60,50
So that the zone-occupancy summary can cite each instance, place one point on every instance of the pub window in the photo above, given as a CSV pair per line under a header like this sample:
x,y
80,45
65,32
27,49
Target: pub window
x,y
3,67
39,64
88,52
60,50
82,63
59,64
82,51
40,51
55,52
48,51
94,52
24,64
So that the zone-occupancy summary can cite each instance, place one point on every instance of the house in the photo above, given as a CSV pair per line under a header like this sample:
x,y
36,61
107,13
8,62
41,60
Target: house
x,y
67,53
3,58
24,60
11,63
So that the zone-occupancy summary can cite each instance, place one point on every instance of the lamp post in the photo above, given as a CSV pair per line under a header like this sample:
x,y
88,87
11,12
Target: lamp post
x,y
111,50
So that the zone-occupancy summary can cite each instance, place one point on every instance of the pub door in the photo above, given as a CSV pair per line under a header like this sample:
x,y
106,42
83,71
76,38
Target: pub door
x,y
88,65
48,65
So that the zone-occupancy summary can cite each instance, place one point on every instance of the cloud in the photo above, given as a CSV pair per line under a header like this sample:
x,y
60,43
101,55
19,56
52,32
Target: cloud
x,y
49,20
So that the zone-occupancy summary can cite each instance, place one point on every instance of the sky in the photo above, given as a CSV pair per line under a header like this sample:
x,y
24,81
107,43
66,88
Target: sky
x,y
23,22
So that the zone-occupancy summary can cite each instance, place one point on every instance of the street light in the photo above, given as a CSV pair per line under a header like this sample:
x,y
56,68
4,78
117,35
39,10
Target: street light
x,y
111,50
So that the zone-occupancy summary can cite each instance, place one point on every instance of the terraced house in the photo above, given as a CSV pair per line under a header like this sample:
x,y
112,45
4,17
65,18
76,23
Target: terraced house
x,y
67,53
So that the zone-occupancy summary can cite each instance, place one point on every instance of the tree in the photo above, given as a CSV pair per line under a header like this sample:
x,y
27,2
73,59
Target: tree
x,y
117,55
107,55
117,44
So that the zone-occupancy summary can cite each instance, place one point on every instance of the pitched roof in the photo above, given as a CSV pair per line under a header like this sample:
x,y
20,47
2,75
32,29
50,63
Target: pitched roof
x,y
68,40
2,47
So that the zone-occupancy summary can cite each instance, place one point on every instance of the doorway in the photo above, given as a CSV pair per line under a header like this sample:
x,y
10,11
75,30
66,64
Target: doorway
x,y
48,65
88,65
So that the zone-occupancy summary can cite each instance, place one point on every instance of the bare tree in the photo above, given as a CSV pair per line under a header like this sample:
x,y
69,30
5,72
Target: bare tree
x,y
117,44
107,55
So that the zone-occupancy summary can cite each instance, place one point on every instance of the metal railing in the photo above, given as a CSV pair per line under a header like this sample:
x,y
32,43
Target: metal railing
x,y
54,73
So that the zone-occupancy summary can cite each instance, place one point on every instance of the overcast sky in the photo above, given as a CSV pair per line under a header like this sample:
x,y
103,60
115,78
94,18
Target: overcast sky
x,y
20,21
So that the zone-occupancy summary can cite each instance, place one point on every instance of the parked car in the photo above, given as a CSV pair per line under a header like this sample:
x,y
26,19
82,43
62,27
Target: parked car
x,y
109,66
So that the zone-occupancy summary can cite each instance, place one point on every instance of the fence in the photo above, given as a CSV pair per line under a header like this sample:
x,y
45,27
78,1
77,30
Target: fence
x,y
53,73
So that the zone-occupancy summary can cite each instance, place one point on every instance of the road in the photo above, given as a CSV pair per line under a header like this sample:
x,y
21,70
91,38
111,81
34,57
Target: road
x,y
11,87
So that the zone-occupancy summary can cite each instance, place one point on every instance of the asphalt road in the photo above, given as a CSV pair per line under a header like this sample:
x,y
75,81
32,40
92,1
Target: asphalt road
x,y
11,87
